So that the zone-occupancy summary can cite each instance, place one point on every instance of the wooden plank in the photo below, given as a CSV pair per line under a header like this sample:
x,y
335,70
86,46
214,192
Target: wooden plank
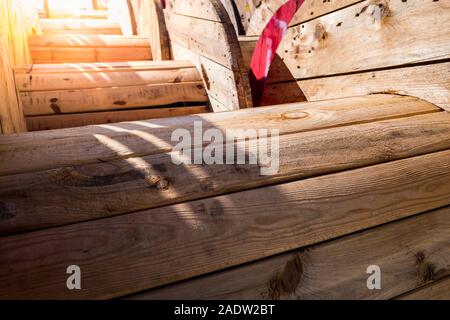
x,y
366,36
11,113
220,82
135,252
151,23
115,98
18,20
77,14
120,11
88,41
131,184
47,150
314,9
102,66
114,77
74,55
85,119
246,9
262,15
438,290
429,82
80,26
212,38
409,253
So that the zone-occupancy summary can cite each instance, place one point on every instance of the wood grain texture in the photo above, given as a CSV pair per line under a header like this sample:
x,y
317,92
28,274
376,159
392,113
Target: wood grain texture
x,y
410,253
135,252
89,78
151,23
37,103
429,82
46,150
11,113
134,184
97,118
80,26
202,31
438,290
368,35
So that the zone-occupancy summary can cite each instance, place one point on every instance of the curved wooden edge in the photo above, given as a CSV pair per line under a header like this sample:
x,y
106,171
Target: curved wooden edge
x,y
148,16
202,32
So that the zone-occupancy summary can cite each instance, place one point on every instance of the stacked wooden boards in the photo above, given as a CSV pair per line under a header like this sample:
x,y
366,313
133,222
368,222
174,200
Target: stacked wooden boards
x,y
349,48
110,199
74,48
202,32
69,95
86,72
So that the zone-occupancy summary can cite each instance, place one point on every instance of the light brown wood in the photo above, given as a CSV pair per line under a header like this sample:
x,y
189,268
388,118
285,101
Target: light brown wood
x,y
120,11
131,184
98,118
77,14
101,66
202,32
74,55
261,16
77,78
80,26
217,233
115,98
410,253
46,150
88,41
151,23
368,35
11,113
18,20
429,82
438,290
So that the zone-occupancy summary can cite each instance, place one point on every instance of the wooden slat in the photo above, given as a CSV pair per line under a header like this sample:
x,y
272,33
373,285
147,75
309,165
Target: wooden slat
x,y
135,252
438,290
101,99
151,23
77,14
94,118
75,79
131,184
313,9
409,253
46,150
74,55
120,11
80,26
102,66
210,38
88,41
366,36
429,82
11,113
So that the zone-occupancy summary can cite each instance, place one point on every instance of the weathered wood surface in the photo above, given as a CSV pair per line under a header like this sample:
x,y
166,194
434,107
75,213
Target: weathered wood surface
x,y
11,113
38,123
410,253
55,13
46,150
429,82
80,76
133,184
438,290
368,35
201,31
115,98
151,23
217,233
88,48
80,26
18,20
